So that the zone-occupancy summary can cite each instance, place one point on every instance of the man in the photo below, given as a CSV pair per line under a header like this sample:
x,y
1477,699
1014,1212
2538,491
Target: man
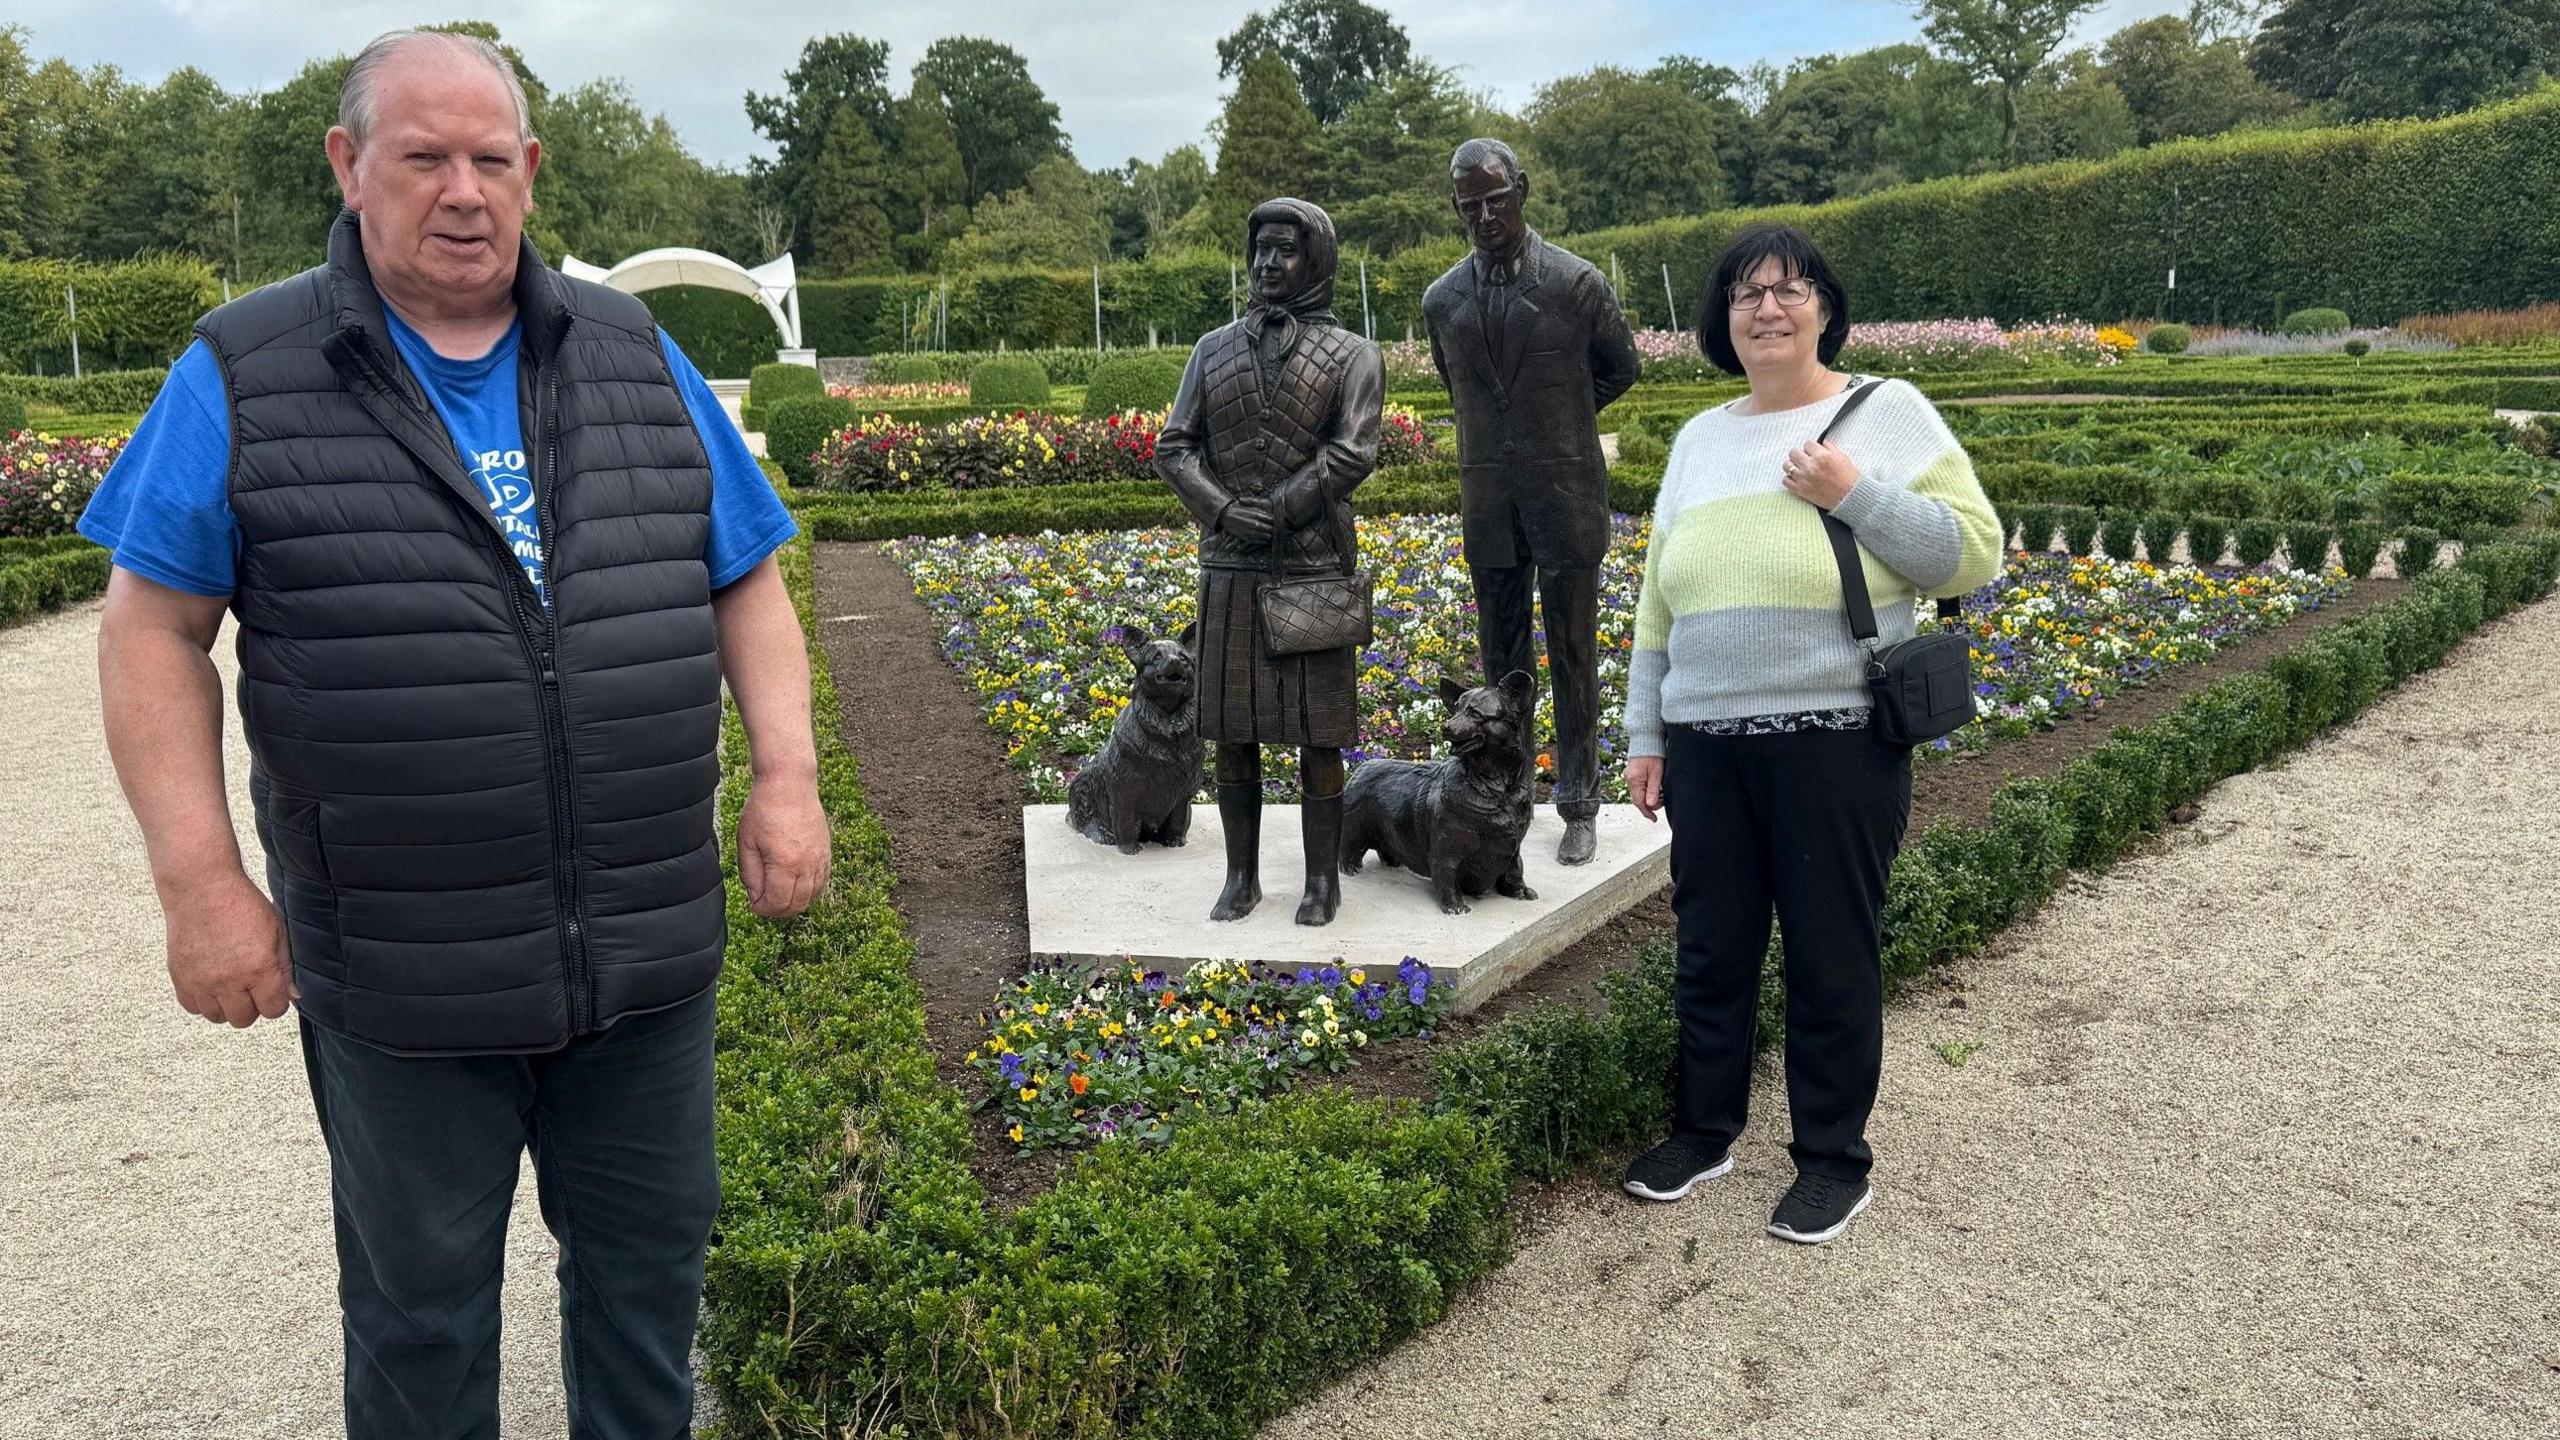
x,y
492,548
1529,341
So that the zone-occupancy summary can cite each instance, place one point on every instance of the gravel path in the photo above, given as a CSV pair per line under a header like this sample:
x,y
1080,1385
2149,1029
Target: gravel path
x,y
2261,1140
165,1260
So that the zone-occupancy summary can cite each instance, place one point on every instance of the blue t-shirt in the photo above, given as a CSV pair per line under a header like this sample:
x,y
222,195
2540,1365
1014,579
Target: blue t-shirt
x,y
164,508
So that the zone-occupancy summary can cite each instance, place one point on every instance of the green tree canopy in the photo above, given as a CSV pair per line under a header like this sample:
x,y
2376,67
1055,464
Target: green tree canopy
x,y
852,227
1623,148
1339,50
928,185
1058,219
1387,159
1005,125
2379,58
835,72
1266,147
2005,42
2178,85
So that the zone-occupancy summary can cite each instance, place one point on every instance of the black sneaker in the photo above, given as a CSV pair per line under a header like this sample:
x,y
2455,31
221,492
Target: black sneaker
x,y
1817,1208
1666,1171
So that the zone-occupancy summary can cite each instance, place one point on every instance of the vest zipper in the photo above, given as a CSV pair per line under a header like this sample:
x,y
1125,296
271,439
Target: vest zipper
x,y
544,642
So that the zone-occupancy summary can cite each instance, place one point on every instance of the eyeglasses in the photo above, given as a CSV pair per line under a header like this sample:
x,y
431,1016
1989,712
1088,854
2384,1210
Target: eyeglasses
x,y
1792,293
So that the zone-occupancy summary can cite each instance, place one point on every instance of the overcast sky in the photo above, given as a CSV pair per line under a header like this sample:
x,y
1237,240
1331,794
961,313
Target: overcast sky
x,y
1130,77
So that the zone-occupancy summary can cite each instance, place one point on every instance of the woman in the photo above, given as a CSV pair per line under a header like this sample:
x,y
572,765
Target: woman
x,y
1748,713
1275,424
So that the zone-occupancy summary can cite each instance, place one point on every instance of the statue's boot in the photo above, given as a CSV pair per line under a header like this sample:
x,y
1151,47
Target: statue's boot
x,y
1581,841
1320,822
1240,816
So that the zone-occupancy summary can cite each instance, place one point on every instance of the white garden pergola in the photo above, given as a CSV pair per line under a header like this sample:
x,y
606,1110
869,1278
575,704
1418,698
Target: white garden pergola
x,y
775,285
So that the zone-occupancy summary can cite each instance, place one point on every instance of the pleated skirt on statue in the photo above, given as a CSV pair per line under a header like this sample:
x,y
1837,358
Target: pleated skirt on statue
x,y
1246,696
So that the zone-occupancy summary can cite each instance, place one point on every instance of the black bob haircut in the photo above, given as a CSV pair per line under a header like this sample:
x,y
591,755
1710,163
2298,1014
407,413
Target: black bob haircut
x,y
1796,253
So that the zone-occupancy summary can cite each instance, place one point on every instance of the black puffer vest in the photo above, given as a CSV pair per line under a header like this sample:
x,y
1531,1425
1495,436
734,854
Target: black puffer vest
x,y
1255,438
489,828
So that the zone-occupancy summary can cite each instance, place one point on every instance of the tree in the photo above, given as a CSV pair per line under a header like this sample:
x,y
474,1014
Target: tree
x,y
287,194
2074,112
1817,134
835,72
2178,85
1266,148
1148,198
1057,220
170,176
1384,167
849,229
1338,49
1938,120
2213,20
2379,58
1722,90
927,183
1004,123
14,132
615,179
2004,42
1624,148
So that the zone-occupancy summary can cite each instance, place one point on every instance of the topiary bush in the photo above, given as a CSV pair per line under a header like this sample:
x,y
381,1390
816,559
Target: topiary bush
x,y
2256,542
1011,382
2455,502
2317,320
2358,349
2160,535
2116,534
770,385
797,427
1145,380
2345,509
2079,528
2416,554
2036,524
1643,448
904,370
2168,339
2306,546
2207,537
2359,549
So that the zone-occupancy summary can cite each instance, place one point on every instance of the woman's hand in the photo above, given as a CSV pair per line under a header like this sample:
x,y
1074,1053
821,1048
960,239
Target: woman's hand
x,y
1820,473
1644,783
1253,521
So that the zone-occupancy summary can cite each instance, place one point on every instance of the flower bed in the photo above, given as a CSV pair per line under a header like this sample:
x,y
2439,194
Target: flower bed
x,y
917,392
1026,617
45,483
1075,1058
1032,447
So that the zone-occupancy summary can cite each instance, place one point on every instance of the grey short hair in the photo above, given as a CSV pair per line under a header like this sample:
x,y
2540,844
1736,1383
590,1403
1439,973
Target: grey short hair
x,y
355,98
1485,155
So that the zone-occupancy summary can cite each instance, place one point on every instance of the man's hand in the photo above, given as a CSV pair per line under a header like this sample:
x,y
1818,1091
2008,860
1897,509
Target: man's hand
x,y
1644,784
784,846
227,957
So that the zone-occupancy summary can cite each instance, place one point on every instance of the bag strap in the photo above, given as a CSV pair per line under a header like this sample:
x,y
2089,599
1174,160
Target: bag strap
x,y
1844,546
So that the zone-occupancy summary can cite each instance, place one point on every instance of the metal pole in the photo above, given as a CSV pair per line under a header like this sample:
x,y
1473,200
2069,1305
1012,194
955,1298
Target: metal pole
x,y
1097,309
71,297
1669,304
1368,326
942,321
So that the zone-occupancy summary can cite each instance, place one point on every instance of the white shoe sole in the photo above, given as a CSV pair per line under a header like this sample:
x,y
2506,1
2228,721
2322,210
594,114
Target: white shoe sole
x,y
1647,1192
1823,1237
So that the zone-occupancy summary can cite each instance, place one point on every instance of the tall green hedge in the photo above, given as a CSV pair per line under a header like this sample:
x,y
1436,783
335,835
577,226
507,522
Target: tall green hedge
x,y
133,314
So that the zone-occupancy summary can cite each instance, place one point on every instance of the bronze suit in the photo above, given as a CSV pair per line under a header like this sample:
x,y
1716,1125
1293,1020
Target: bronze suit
x,y
1529,363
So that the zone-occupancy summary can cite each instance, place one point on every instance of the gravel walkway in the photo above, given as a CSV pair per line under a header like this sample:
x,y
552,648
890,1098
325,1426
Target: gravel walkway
x,y
165,1261
2261,1139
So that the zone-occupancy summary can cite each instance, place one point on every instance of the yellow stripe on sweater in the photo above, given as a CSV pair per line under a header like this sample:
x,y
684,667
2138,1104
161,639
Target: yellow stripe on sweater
x,y
1767,549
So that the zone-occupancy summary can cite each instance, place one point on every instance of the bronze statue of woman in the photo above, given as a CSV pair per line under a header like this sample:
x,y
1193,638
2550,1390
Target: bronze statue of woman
x,y
1275,425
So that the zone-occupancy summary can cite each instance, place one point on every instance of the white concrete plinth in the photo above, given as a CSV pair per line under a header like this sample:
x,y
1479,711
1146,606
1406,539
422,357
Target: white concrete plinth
x,y
1090,902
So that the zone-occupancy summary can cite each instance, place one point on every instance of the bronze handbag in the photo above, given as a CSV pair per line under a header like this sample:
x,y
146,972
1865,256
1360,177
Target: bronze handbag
x,y
1317,612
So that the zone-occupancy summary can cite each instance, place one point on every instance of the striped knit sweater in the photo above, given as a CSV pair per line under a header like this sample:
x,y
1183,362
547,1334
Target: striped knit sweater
x,y
1741,614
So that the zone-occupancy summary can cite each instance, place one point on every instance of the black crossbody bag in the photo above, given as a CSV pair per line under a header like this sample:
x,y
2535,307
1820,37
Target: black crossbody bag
x,y
1923,686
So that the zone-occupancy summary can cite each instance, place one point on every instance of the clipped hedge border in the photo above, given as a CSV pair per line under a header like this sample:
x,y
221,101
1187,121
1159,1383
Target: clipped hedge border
x,y
1555,1085
39,576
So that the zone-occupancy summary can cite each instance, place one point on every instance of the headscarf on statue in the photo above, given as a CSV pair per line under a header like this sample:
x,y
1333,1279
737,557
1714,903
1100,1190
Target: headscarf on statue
x,y
1311,303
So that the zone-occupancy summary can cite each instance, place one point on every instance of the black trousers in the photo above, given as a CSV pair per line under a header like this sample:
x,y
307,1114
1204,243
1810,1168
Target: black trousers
x,y
1808,823
1569,603
422,1171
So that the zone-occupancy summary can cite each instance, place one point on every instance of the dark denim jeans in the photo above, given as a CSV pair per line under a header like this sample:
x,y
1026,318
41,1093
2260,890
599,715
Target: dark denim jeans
x,y
422,1168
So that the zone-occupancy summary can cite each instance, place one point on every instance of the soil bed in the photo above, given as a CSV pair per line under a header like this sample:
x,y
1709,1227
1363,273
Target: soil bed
x,y
937,777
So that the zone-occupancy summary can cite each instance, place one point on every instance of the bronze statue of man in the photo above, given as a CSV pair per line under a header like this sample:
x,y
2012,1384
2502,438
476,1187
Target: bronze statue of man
x,y
1531,345
1275,424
